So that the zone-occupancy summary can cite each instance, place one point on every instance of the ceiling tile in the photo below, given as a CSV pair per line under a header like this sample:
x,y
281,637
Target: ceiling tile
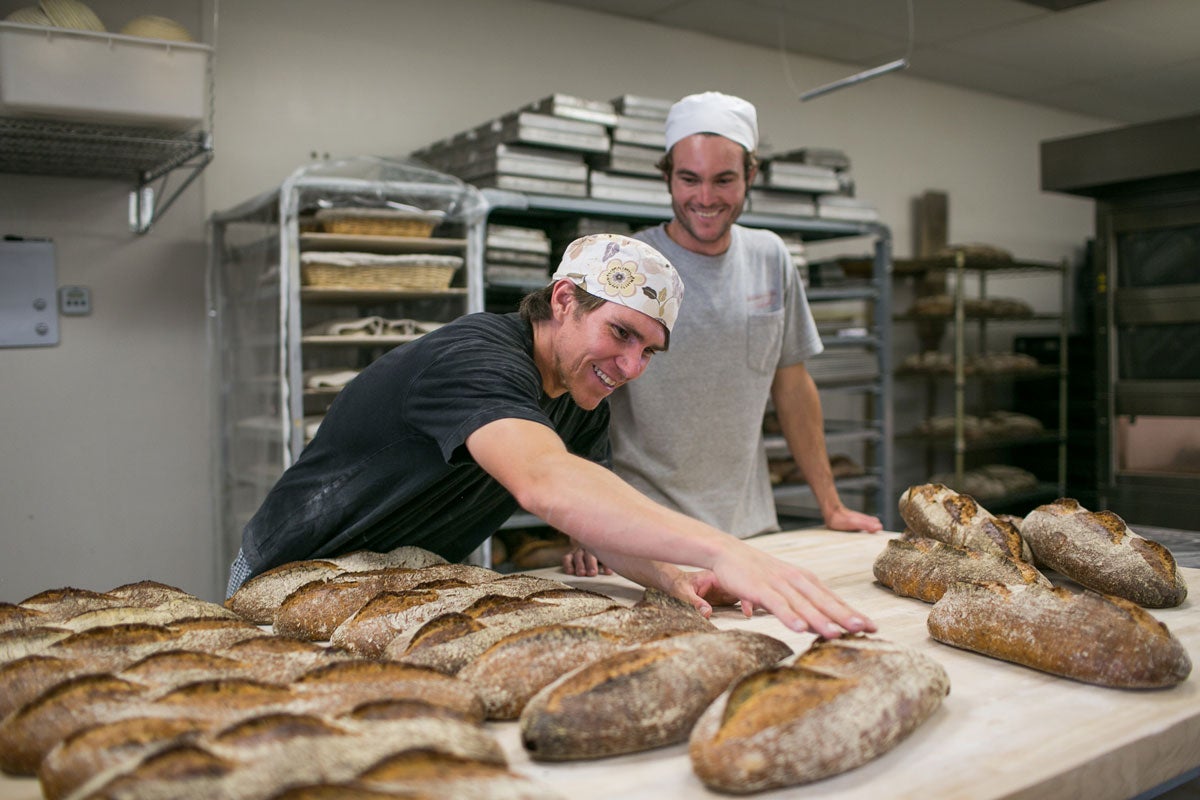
x,y
1058,46
1120,59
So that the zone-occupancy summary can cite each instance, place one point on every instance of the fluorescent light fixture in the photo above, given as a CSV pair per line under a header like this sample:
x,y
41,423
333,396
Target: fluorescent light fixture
x,y
858,77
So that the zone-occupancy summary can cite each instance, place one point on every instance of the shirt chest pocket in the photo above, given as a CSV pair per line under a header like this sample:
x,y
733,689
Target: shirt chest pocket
x,y
764,337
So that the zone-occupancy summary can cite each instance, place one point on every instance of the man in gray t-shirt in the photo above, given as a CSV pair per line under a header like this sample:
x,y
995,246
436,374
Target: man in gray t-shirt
x,y
690,433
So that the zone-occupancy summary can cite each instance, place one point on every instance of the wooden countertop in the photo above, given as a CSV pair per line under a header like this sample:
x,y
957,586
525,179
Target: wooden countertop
x,y
1004,731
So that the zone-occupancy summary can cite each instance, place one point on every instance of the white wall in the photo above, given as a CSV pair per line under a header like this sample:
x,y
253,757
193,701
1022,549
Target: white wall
x,y
104,440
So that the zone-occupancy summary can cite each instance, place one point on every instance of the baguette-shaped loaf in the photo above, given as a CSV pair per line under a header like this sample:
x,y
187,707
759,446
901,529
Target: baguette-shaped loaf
x,y
372,628
1087,636
259,756
29,733
315,609
1098,550
827,710
513,669
113,648
925,568
258,598
462,637
68,601
642,697
433,774
117,746
937,512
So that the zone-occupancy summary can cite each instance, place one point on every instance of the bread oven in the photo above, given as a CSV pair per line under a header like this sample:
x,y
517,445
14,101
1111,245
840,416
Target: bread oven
x,y
1146,183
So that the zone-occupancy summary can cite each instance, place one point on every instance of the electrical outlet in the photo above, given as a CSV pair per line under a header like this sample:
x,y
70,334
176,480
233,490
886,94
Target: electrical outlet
x,y
74,300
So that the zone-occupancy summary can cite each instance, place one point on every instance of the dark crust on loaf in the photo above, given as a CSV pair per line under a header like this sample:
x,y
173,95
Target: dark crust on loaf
x,y
829,709
1099,551
644,697
925,568
937,512
1086,636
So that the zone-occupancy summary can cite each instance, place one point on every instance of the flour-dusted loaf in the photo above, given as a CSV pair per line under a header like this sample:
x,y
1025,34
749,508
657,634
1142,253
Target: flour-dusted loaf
x,y
1087,636
441,775
259,597
827,710
30,732
925,568
16,617
512,670
937,512
450,642
642,697
1098,550
315,609
260,756
372,628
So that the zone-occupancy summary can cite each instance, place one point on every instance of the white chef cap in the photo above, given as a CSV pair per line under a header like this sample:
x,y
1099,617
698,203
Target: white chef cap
x,y
713,112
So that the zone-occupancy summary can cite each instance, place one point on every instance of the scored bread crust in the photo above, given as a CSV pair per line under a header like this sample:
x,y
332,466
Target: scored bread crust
x,y
315,609
383,618
513,669
640,697
449,648
1090,637
925,568
832,708
1099,551
937,512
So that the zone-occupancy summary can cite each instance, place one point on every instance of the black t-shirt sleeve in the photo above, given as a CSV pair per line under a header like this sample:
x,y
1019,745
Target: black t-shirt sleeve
x,y
467,387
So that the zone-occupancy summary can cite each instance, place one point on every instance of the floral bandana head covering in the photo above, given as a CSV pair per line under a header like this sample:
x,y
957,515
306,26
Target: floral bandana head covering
x,y
713,112
624,271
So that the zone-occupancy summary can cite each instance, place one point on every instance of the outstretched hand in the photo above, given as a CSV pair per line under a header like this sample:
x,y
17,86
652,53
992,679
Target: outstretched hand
x,y
844,519
793,594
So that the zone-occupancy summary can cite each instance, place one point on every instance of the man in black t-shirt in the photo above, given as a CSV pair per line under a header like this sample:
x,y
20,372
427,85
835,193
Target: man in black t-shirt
x,y
439,441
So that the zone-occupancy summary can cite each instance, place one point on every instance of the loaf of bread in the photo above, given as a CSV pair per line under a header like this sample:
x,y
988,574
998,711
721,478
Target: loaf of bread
x,y
827,710
315,609
31,731
260,756
934,511
925,568
434,774
372,628
450,642
1099,551
259,597
513,669
109,649
642,697
1087,636
16,617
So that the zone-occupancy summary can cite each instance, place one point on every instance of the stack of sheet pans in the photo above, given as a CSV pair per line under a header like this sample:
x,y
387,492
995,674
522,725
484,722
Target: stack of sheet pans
x,y
516,257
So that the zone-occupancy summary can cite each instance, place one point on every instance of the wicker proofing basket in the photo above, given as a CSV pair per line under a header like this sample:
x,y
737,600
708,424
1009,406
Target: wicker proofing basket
x,y
377,221
367,271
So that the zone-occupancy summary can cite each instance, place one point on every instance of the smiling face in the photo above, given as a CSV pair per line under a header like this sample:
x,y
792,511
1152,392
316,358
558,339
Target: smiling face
x,y
591,354
708,186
